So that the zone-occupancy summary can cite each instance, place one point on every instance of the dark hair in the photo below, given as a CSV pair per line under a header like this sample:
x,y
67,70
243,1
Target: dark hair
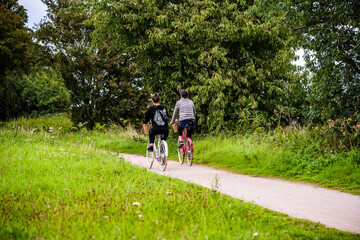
x,y
156,98
184,93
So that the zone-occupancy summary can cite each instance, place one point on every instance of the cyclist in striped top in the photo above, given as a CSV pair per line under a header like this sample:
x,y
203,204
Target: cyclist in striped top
x,y
185,108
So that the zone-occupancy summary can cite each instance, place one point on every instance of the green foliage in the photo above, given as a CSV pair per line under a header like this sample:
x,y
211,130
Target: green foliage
x,y
329,32
63,187
15,42
233,56
104,88
43,92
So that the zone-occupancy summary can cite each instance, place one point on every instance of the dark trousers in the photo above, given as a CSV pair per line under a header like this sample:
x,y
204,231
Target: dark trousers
x,y
186,123
156,131
189,132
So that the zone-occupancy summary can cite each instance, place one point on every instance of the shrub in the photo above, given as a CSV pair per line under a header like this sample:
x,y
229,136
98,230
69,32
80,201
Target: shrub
x,y
43,92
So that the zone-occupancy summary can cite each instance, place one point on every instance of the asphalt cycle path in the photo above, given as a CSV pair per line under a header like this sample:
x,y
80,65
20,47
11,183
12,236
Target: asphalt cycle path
x,y
332,208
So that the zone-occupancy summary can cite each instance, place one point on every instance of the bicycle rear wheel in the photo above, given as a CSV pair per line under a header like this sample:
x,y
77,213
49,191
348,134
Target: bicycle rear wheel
x,y
149,156
189,153
180,154
163,155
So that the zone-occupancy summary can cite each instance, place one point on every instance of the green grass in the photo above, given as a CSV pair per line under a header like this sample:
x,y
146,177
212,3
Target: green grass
x,y
259,155
56,185
295,156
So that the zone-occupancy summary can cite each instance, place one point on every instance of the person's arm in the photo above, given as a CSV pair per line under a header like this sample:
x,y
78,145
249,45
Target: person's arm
x,y
194,110
176,112
167,113
147,116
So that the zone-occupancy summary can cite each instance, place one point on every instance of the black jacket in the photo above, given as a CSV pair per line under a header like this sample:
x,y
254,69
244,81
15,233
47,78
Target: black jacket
x,y
151,114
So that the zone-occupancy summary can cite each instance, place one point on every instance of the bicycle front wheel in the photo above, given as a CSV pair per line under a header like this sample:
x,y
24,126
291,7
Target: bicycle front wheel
x,y
189,152
149,156
163,152
180,154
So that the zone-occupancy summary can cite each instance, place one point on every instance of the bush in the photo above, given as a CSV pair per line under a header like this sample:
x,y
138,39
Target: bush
x,y
43,92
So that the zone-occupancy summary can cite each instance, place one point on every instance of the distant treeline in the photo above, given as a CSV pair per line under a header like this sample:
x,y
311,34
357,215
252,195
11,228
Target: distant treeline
x,y
101,60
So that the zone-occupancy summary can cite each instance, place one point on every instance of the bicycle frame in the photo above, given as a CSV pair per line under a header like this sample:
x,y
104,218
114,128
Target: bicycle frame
x,y
187,149
185,139
157,149
161,157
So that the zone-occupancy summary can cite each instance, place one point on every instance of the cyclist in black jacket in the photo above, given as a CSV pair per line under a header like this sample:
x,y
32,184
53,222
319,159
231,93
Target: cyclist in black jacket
x,y
159,117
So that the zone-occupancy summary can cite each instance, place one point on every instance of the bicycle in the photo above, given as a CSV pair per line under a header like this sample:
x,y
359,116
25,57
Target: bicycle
x,y
160,153
187,148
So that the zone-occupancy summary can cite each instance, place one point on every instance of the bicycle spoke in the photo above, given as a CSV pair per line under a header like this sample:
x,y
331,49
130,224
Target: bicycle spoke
x,y
149,156
162,156
180,154
189,154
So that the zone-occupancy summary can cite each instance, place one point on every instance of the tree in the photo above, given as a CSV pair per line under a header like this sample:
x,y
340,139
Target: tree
x,y
103,86
42,92
329,31
15,42
233,56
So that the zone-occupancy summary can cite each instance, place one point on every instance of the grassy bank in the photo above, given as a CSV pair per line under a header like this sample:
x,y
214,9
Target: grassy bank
x,y
63,184
297,154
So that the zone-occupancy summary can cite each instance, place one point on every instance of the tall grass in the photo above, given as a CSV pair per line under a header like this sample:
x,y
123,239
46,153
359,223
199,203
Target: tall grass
x,y
58,123
301,154
294,155
56,185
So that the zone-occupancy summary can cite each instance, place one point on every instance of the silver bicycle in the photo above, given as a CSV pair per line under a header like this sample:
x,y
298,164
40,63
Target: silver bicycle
x,y
160,153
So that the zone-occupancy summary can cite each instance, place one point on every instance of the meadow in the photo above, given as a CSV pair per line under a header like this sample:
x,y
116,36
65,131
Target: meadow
x,y
295,154
65,182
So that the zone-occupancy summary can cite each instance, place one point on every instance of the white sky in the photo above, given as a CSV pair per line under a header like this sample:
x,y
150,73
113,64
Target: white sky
x,y
300,61
36,10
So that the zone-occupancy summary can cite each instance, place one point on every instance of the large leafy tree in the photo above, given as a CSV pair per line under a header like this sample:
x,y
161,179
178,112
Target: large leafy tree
x,y
329,32
43,92
103,86
15,45
233,56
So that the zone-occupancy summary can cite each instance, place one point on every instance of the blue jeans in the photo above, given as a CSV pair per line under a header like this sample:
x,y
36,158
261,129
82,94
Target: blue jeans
x,y
186,123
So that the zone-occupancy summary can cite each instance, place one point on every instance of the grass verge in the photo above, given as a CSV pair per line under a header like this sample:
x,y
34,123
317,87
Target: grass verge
x,y
298,154
62,186
295,156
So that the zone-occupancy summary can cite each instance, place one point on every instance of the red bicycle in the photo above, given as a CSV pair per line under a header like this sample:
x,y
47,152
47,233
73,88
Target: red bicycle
x,y
187,148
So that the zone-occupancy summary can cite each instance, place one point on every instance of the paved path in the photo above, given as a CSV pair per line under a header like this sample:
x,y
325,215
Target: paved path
x,y
332,208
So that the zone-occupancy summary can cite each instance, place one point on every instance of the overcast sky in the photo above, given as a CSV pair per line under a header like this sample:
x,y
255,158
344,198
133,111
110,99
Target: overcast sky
x,y
36,10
